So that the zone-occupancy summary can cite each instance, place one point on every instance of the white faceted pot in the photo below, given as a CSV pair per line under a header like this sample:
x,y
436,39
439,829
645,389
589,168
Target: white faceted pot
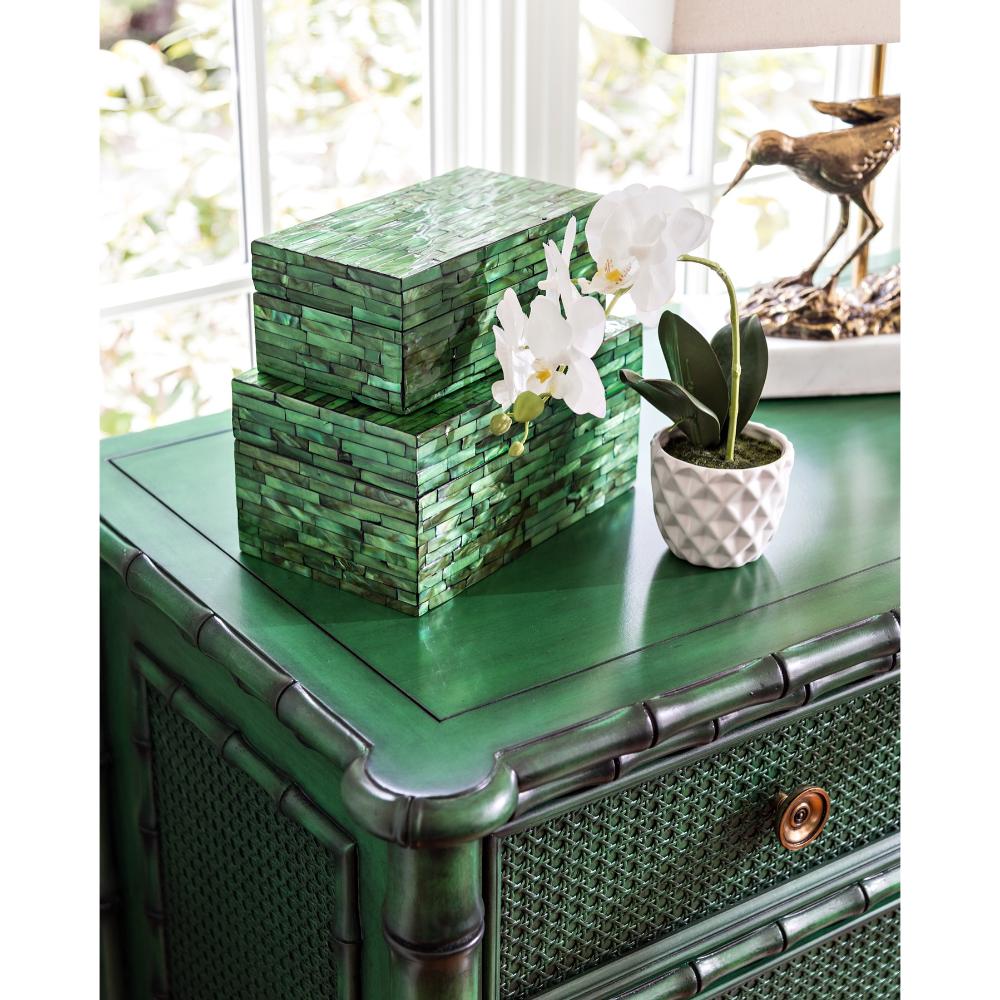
x,y
719,517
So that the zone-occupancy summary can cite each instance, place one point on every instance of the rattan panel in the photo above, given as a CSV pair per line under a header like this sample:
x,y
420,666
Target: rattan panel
x,y
248,894
596,882
863,964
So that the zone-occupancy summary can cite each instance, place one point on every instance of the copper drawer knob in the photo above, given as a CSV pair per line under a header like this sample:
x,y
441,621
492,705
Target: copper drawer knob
x,y
802,814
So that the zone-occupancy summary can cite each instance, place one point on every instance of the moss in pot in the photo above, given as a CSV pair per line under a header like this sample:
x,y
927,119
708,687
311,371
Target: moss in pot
x,y
750,452
719,480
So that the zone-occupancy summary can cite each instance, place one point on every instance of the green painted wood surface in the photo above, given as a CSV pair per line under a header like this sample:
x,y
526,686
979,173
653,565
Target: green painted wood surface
x,y
598,617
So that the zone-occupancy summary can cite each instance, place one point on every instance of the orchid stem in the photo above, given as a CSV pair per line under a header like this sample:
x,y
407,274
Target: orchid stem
x,y
734,322
613,301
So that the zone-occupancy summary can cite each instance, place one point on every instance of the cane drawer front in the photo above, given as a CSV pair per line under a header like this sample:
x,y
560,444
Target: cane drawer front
x,y
251,889
862,964
608,874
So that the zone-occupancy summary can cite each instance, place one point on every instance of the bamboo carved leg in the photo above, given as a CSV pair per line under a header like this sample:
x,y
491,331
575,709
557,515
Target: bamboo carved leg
x,y
433,921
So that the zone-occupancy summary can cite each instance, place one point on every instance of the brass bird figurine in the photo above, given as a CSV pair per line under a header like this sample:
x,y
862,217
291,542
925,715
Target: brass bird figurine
x,y
842,163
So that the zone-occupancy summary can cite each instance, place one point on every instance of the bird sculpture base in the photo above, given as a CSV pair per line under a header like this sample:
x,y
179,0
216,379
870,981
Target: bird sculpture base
x,y
790,308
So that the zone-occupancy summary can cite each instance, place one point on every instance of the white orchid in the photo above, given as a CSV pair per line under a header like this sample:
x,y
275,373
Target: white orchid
x,y
636,236
511,350
511,347
557,282
562,350
549,352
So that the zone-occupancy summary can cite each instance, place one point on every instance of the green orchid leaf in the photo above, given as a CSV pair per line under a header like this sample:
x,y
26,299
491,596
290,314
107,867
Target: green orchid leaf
x,y
693,364
691,416
753,364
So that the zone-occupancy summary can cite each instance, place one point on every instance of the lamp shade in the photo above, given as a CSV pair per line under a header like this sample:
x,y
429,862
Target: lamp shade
x,y
729,25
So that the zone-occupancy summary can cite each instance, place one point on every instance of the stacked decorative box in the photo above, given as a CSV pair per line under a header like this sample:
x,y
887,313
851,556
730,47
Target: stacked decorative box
x,y
363,452
393,301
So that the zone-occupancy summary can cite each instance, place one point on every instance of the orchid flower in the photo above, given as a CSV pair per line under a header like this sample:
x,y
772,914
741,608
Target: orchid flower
x,y
636,237
557,282
548,353
511,350
562,350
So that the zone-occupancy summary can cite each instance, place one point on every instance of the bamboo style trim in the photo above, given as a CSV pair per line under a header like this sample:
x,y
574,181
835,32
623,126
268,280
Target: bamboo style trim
x,y
523,777
709,964
253,671
645,957
149,834
288,798
739,959
540,805
112,961
599,751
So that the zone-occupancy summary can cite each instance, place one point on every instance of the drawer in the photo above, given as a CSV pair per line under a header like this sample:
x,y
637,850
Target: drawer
x,y
584,882
862,964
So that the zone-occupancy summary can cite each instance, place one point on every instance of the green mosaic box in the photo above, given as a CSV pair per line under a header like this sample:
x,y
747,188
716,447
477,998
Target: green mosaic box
x,y
408,510
392,302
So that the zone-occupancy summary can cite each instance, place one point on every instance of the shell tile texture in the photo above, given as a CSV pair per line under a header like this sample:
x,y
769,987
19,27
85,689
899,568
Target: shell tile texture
x,y
408,510
719,518
392,302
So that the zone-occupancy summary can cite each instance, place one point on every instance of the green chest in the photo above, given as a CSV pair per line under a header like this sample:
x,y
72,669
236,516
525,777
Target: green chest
x,y
562,784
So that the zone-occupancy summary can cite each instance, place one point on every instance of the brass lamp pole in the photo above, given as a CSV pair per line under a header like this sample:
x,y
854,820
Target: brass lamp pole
x,y
878,83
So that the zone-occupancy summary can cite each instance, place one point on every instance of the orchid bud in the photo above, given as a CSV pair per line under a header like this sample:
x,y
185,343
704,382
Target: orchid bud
x,y
528,406
500,423
516,449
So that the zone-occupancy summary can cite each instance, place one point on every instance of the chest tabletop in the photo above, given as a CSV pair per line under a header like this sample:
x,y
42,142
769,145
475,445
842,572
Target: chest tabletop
x,y
596,646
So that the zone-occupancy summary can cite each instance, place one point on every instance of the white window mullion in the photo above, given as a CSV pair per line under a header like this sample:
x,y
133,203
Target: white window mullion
x,y
252,128
550,39
251,118
851,75
501,62
703,99
442,87
427,98
503,86
199,284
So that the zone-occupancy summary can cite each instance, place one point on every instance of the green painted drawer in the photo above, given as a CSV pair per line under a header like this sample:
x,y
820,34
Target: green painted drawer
x,y
393,301
584,884
862,964
409,510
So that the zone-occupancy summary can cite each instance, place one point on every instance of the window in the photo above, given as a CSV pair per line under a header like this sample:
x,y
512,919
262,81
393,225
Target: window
x,y
685,121
344,103
214,131
225,119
